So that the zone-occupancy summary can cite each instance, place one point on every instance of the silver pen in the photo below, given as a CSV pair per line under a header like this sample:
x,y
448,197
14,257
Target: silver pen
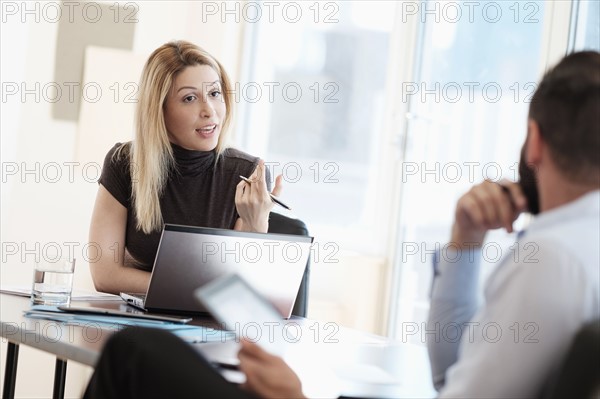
x,y
273,198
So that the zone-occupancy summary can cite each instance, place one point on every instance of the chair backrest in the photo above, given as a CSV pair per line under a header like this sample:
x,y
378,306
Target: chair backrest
x,y
579,374
282,224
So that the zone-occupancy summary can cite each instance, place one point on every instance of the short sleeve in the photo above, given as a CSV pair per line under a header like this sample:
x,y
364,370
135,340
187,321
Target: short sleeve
x,y
246,164
116,175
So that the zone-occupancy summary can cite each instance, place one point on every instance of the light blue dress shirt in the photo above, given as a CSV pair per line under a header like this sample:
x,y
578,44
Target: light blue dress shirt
x,y
541,293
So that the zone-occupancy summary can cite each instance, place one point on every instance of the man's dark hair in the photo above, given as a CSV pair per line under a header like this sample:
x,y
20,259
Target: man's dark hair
x,y
566,106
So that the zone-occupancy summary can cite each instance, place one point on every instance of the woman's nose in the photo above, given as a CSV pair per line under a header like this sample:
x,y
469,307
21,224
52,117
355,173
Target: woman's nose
x,y
206,109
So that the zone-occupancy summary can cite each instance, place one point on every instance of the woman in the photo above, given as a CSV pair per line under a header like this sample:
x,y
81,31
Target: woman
x,y
176,170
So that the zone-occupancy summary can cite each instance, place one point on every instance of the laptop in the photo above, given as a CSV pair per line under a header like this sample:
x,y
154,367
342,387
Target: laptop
x,y
189,257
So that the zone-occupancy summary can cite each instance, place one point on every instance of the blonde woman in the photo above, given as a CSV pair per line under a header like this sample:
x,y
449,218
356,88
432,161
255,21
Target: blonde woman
x,y
177,169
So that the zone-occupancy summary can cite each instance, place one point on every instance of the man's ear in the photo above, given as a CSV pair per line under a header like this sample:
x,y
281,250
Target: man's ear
x,y
535,143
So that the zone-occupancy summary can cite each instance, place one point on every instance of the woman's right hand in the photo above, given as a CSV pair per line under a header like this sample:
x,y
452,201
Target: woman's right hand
x,y
253,202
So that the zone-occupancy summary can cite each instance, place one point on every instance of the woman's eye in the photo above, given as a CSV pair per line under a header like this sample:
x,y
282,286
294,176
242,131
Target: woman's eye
x,y
189,99
215,93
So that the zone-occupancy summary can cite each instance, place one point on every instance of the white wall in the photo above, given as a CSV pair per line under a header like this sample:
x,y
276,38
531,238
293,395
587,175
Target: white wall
x,y
36,211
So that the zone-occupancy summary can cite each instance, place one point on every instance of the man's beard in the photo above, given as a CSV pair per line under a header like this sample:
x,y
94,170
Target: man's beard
x,y
527,181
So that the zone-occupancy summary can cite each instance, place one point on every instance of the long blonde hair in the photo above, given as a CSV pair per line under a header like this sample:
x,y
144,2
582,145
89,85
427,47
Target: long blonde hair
x,y
151,155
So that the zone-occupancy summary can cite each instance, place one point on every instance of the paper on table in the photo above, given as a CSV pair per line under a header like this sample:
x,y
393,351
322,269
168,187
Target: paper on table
x,y
106,322
14,290
84,295
191,334
76,295
199,334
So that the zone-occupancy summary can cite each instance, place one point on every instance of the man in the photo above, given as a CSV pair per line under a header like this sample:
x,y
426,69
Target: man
x,y
545,289
535,302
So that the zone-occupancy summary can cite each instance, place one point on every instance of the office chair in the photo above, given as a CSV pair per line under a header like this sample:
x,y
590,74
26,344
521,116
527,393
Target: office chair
x,y
579,374
284,225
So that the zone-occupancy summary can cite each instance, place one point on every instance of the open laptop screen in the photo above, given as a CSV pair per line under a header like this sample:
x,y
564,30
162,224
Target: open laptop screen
x,y
189,257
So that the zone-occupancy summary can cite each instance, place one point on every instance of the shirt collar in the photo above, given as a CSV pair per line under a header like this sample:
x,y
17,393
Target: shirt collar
x,y
584,207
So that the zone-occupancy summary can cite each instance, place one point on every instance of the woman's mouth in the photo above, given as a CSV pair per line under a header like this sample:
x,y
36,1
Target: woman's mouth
x,y
207,131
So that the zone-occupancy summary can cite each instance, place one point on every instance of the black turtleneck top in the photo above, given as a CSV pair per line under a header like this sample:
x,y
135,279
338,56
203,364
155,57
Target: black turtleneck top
x,y
198,193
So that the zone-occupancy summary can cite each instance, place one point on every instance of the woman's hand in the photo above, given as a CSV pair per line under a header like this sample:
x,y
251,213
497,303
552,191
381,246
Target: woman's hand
x,y
267,376
253,202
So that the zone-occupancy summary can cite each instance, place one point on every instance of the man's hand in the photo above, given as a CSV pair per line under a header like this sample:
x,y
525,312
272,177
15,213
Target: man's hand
x,y
253,202
267,376
486,206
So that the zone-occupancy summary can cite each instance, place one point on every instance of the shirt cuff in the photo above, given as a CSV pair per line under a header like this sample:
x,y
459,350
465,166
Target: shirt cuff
x,y
456,274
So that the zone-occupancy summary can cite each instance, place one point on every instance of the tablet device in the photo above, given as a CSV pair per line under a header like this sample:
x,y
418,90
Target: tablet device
x,y
240,308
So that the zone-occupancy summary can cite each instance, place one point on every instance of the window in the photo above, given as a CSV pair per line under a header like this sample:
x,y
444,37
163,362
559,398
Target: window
x,y
585,25
467,121
322,125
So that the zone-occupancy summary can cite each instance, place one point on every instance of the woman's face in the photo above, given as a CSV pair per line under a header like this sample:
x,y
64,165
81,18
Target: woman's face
x,y
195,109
